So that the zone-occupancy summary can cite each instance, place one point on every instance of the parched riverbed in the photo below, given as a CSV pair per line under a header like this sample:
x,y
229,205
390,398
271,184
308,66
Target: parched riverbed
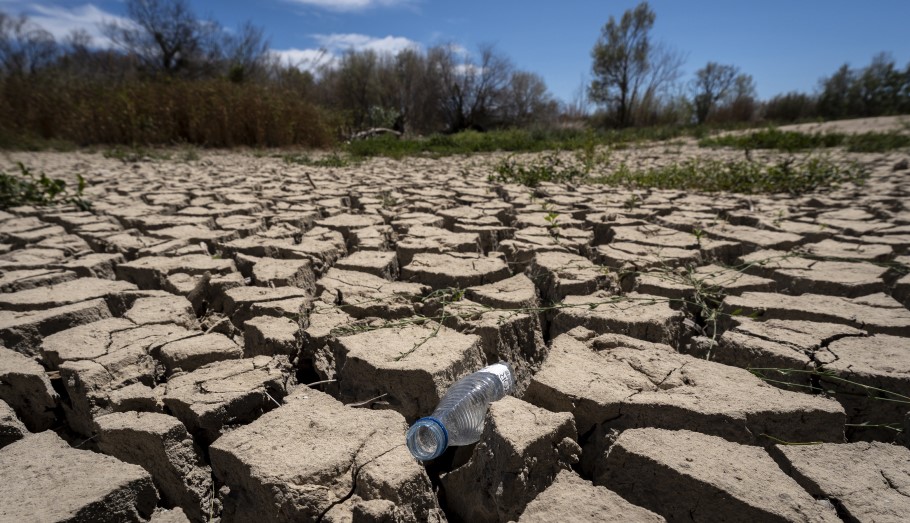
x,y
231,335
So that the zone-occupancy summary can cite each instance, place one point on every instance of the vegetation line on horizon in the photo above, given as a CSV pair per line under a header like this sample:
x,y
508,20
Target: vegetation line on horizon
x,y
175,78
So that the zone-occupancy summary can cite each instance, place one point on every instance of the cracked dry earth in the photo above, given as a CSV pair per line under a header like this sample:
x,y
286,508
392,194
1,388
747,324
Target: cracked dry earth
x,y
222,339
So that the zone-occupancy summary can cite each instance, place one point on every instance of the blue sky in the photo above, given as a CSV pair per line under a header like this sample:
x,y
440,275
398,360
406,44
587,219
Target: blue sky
x,y
784,44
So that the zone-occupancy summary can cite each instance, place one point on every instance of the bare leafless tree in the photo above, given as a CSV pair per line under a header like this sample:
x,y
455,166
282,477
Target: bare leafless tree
x,y
711,83
473,88
246,52
25,48
164,34
527,101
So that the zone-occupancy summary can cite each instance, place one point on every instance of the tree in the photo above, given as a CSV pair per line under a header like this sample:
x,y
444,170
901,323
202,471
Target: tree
x,y
472,89
711,83
165,34
527,100
246,52
25,48
621,61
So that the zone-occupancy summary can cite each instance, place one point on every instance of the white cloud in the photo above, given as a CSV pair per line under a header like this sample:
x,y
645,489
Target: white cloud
x,y
352,5
61,21
332,46
304,59
342,42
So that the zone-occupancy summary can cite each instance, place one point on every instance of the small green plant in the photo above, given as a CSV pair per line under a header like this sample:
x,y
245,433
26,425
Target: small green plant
x,y
786,176
791,141
772,138
877,142
545,168
698,233
332,160
27,189
388,200
553,224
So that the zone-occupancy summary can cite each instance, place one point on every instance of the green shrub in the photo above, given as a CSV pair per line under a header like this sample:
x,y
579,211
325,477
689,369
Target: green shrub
x,y
153,112
787,176
546,168
26,189
772,138
877,142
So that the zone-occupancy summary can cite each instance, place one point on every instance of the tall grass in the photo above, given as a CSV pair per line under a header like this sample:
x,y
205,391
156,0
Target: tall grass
x,y
791,141
206,112
507,140
790,176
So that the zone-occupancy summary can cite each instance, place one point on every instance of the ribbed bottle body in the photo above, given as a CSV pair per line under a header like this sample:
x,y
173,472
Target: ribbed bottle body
x,y
464,406
458,419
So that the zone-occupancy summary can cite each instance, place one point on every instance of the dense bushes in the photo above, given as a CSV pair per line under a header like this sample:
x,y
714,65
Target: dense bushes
x,y
210,112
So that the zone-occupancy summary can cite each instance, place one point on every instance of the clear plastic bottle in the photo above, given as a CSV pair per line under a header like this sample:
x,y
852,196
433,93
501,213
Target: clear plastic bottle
x,y
458,420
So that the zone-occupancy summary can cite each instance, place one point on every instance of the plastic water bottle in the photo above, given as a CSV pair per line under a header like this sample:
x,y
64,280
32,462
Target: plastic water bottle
x,y
458,420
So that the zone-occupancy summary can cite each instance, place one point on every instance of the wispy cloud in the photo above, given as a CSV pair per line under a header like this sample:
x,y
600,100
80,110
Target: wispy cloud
x,y
352,5
341,42
61,21
332,46
305,59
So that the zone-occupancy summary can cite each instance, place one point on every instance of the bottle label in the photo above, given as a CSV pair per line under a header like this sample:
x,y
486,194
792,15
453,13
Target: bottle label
x,y
502,372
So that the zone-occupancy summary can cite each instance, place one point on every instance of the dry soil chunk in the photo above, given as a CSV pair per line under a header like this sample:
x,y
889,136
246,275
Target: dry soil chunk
x,y
850,251
650,386
23,331
755,238
61,294
571,499
269,272
14,281
227,392
163,309
413,365
520,452
782,344
517,292
866,481
422,239
174,515
345,223
11,429
641,316
678,284
97,359
687,476
510,336
298,461
901,291
188,354
558,275
455,270
837,278
238,301
271,336
25,387
856,312
161,445
378,263
879,361
365,295
633,255
43,479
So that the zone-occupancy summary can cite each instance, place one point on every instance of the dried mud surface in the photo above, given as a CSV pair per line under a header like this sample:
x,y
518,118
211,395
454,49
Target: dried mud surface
x,y
235,337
